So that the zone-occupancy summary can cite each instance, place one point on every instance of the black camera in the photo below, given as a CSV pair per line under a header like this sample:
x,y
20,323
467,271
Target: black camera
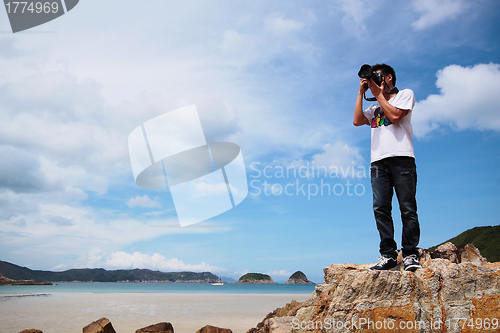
x,y
366,72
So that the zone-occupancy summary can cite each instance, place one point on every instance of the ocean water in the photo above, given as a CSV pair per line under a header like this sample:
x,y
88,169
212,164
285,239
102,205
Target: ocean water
x,y
152,287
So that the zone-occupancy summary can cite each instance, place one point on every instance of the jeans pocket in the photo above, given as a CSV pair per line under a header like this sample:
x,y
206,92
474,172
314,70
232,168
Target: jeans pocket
x,y
407,178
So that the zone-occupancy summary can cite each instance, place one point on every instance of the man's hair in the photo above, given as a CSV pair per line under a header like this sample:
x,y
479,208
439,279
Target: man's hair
x,y
386,70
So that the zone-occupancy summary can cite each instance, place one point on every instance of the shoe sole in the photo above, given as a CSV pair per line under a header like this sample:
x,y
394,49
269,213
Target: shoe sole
x,y
395,268
412,268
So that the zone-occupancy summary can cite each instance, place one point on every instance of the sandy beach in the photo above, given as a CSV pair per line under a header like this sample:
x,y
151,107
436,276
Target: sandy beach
x,y
70,312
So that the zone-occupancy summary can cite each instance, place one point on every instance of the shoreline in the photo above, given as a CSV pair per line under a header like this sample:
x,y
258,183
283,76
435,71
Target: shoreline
x,y
187,312
148,287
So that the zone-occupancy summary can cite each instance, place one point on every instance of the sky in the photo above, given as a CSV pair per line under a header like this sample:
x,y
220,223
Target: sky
x,y
277,78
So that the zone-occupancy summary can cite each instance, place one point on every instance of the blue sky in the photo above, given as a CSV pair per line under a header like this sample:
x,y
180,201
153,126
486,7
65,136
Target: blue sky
x,y
279,79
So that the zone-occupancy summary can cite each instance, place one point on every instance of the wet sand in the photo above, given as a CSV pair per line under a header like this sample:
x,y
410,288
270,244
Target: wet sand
x,y
68,313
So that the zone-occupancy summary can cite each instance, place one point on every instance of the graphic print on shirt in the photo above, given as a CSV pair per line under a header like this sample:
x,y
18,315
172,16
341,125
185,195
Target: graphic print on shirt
x,y
379,118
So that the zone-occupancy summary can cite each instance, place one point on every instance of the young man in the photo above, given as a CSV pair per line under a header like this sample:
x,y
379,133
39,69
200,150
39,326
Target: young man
x,y
392,165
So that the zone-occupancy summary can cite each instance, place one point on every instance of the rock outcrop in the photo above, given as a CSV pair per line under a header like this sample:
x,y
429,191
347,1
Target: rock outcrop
x,y
255,278
102,325
4,281
455,291
213,329
462,253
163,327
298,278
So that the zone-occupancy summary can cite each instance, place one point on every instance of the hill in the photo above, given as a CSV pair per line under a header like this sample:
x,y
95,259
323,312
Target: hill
x,y
15,272
298,278
486,239
255,278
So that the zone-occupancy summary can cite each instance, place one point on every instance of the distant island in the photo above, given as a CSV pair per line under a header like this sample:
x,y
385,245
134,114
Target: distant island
x,y
16,275
14,272
298,278
255,278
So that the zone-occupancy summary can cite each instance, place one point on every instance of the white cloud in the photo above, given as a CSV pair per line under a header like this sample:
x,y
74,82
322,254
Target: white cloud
x,y
281,272
356,13
435,12
339,154
12,203
76,125
20,171
467,100
76,176
67,109
61,124
218,118
50,231
203,189
339,158
144,201
7,49
277,23
93,258
262,41
241,272
240,49
124,260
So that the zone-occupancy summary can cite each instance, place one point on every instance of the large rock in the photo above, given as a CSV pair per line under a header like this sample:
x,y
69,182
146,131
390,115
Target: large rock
x,y
163,327
213,329
102,325
443,296
462,253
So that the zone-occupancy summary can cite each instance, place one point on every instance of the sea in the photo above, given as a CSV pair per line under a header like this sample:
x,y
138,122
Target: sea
x,y
158,287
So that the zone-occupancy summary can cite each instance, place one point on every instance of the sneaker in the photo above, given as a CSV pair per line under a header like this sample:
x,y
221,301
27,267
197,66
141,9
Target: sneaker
x,y
384,263
411,263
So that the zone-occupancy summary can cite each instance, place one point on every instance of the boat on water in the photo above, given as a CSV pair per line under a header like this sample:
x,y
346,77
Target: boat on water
x,y
219,282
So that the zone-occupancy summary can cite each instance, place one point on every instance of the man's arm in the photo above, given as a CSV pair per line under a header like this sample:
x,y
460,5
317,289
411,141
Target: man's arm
x,y
393,113
359,117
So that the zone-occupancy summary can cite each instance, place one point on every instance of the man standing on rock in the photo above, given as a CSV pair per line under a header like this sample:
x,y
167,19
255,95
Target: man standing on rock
x,y
392,165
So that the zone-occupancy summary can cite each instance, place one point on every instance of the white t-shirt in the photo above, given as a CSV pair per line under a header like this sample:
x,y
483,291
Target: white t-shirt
x,y
390,139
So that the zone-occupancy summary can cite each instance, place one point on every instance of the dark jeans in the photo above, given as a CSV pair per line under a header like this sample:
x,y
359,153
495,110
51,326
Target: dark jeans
x,y
399,173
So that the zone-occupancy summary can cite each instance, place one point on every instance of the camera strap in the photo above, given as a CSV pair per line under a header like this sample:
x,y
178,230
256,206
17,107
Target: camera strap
x,y
371,99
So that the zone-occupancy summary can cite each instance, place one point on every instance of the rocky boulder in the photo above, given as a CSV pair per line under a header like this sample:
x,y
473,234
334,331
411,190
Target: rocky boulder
x,y
102,325
213,329
163,327
462,253
456,294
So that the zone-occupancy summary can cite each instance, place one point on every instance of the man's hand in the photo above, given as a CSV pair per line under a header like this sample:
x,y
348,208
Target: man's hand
x,y
377,91
362,87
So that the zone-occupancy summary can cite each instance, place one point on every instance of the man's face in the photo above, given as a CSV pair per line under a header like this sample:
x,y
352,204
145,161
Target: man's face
x,y
387,80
